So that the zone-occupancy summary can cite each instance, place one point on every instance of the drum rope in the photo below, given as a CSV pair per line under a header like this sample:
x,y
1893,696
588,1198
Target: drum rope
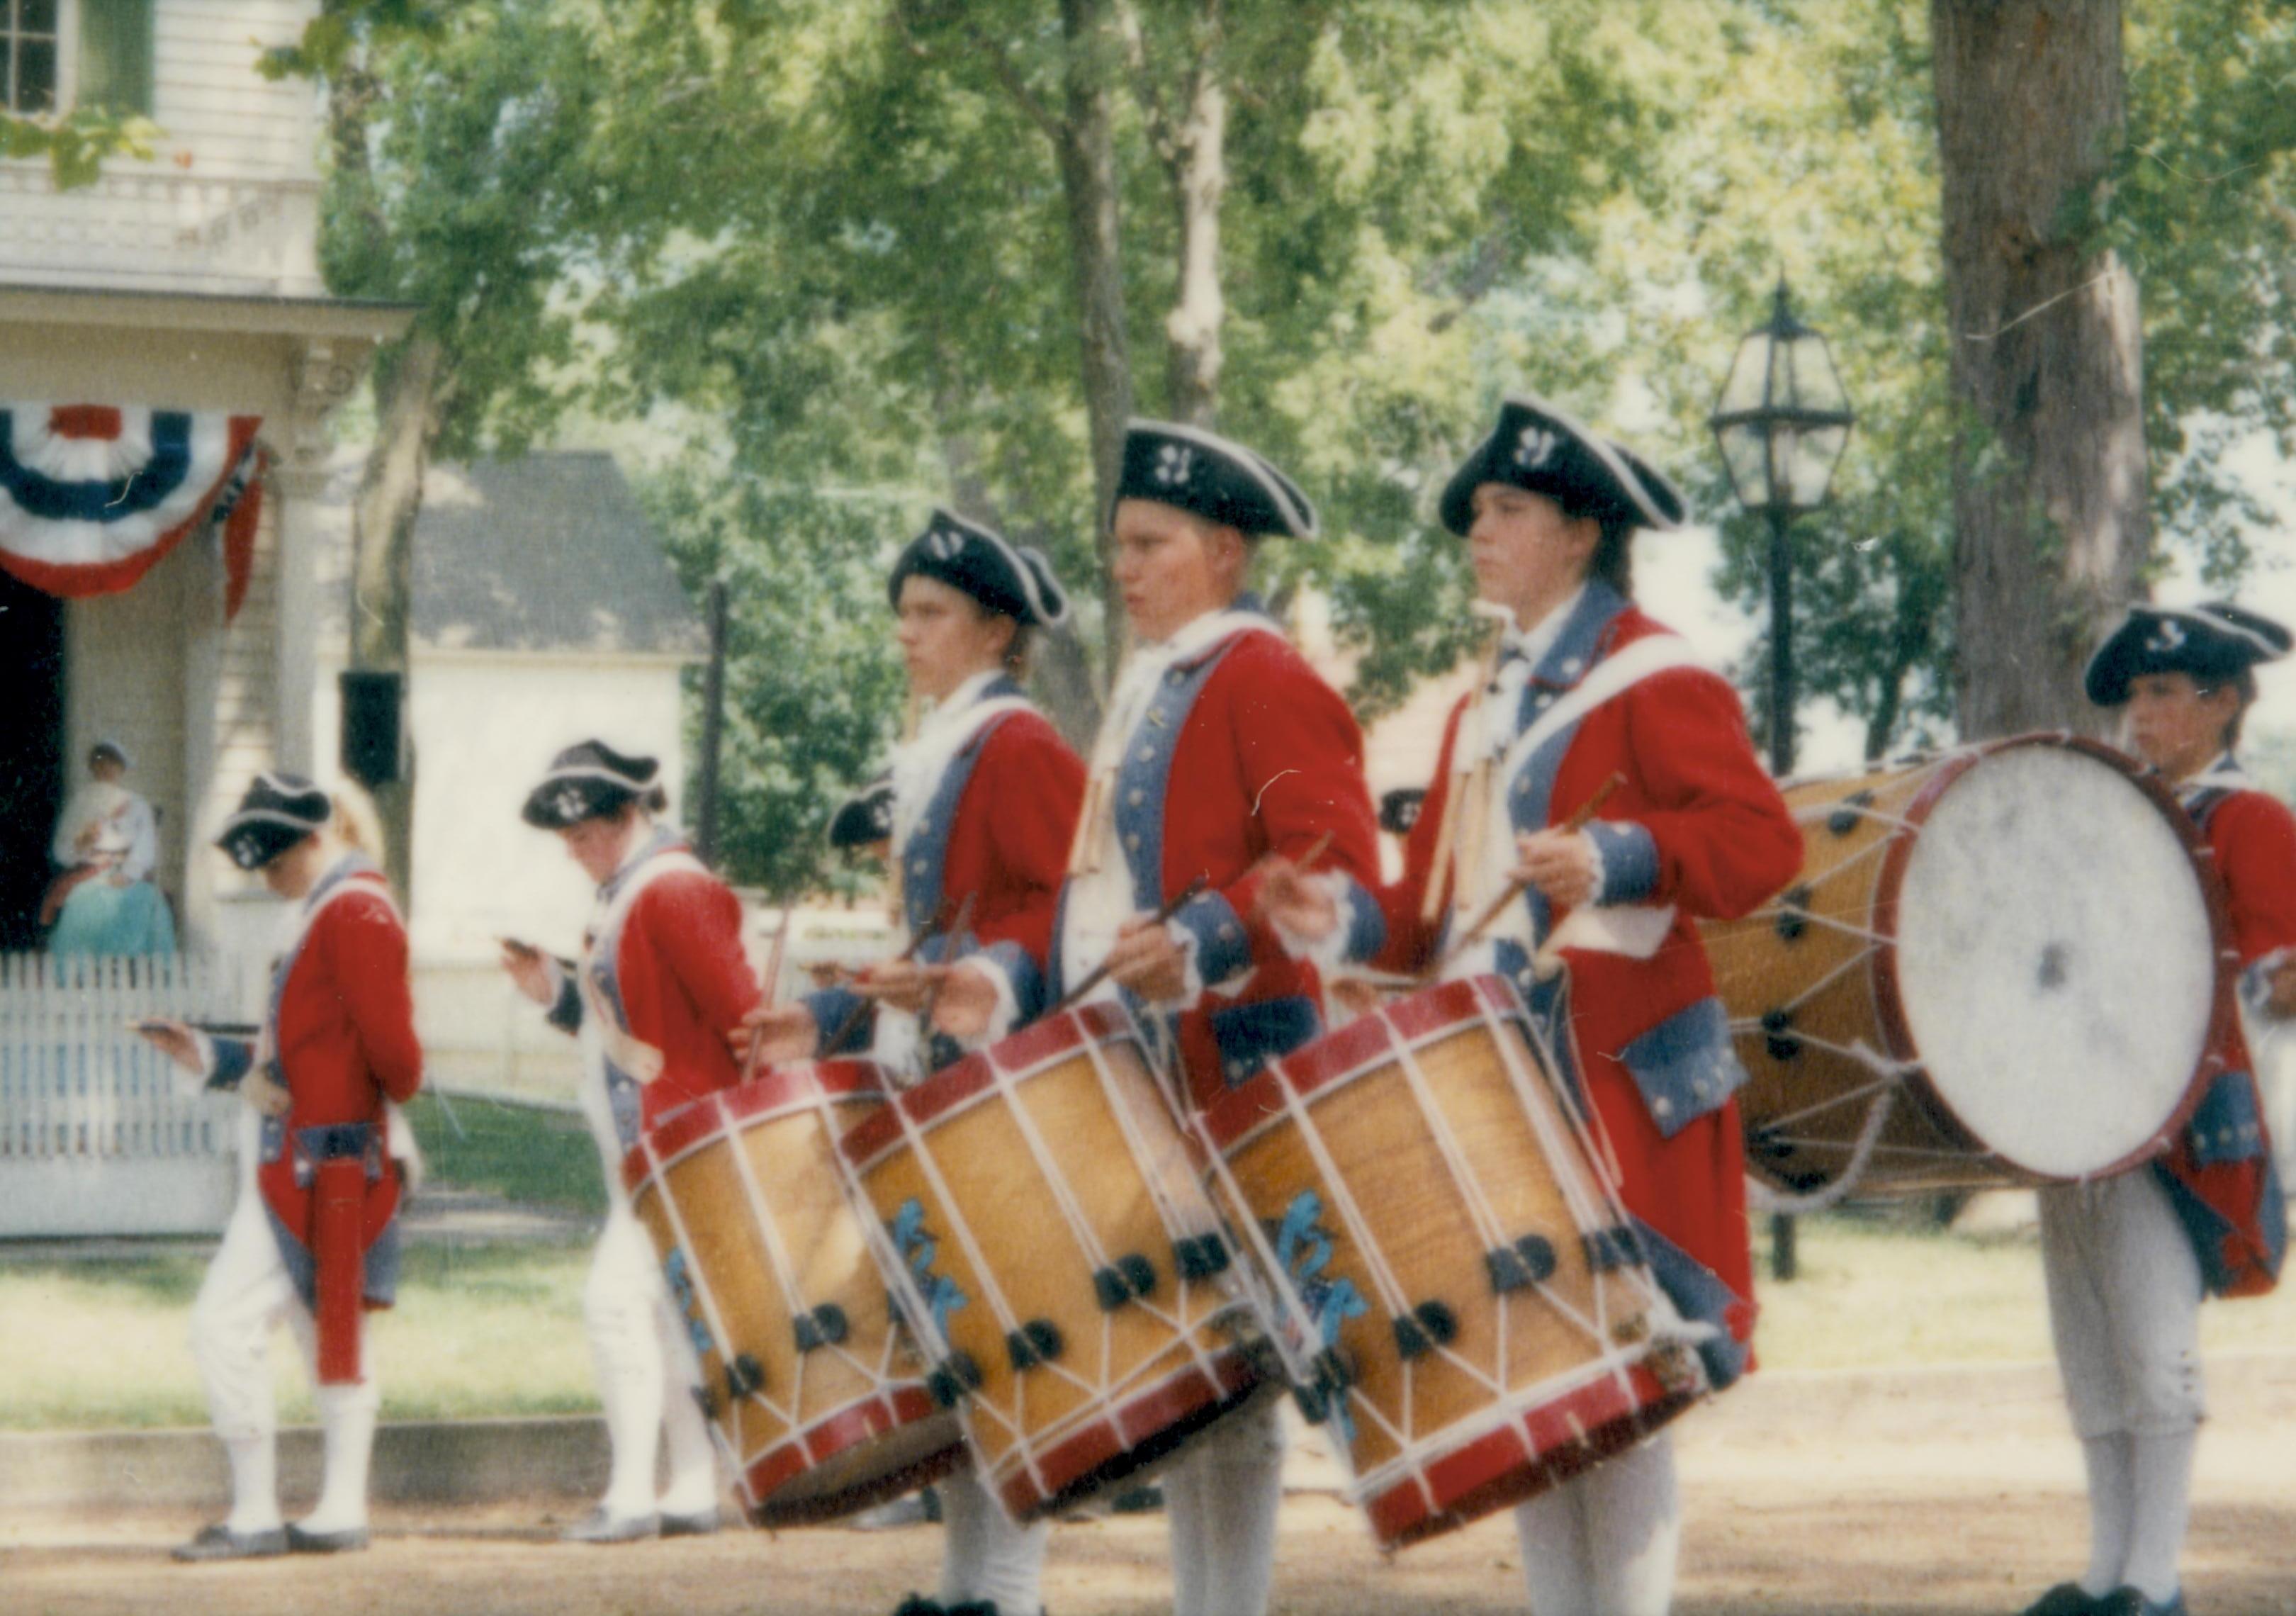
x,y
991,1293
1087,1238
1830,922
1886,1080
1146,1154
1489,1229
1811,813
1578,1196
703,1291
1292,1319
1800,1204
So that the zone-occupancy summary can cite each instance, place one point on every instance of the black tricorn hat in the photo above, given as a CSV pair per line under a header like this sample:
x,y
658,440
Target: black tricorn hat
x,y
1011,578
1399,810
2212,642
865,818
277,811
1537,446
1214,478
588,781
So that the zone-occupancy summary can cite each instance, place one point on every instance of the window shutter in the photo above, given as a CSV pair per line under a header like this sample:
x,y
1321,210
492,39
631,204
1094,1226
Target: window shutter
x,y
115,55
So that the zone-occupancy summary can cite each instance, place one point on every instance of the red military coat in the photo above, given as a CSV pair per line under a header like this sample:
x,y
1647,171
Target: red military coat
x,y
993,830
1245,751
2219,1174
670,966
340,1032
1695,823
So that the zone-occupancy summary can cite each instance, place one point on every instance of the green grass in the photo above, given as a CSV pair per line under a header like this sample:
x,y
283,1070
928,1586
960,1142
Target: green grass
x,y
497,1330
526,1154
486,1330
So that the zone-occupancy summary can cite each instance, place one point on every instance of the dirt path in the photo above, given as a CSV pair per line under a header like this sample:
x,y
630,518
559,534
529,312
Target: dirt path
x,y
1771,1545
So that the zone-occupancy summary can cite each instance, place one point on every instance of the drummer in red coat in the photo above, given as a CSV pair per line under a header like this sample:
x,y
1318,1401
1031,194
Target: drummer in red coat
x,y
981,804
662,983
314,1238
1219,747
2129,1258
1588,693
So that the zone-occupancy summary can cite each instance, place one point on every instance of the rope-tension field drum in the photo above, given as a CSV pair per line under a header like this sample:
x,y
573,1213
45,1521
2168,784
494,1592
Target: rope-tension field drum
x,y
1049,1234
816,1398
2010,963
1458,1293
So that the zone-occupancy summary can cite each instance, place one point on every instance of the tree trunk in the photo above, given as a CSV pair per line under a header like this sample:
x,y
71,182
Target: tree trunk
x,y
2050,515
1199,180
1086,141
389,497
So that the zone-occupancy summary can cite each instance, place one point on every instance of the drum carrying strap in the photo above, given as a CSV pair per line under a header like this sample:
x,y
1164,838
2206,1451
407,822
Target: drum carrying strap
x,y
1613,675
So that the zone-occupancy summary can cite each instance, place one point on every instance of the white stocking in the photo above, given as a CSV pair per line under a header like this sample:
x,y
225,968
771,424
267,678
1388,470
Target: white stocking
x,y
2110,1461
1634,1530
617,1308
1556,1568
2162,1502
985,1555
346,1417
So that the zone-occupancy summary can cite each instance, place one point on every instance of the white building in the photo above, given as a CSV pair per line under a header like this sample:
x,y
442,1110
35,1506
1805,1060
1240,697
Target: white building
x,y
184,283
544,613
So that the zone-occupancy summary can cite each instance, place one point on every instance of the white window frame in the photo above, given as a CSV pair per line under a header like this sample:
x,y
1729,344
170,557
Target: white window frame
x,y
67,55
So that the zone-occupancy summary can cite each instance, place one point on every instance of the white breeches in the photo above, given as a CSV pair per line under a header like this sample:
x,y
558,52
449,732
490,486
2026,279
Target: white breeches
x,y
645,1377
2124,1306
1605,1543
246,1292
985,1555
1221,1497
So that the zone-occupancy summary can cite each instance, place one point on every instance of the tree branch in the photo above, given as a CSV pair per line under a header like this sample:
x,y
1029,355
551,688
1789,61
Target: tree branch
x,y
1000,66
1160,132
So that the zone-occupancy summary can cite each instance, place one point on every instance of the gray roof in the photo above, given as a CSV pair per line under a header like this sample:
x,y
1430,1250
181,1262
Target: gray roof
x,y
546,553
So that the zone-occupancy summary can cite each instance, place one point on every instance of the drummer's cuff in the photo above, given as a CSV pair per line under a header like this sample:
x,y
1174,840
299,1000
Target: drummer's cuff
x,y
1625,857
1211,934
1360,933
2256,982
565,1011
224,1062
1020,991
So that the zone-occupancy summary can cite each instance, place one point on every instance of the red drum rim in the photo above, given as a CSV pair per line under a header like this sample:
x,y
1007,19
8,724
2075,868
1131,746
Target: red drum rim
x,y
1130,1435
1536,1449
825,1439
1350,1049
774,1092
1034,1045
1889,1001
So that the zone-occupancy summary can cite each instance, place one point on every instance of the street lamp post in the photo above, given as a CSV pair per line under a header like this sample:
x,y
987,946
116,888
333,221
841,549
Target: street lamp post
x,y
1782,422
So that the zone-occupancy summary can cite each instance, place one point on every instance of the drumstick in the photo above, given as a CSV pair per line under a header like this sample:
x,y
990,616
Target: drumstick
x,y
1514,890
1099,973
853,1016
1446,828
772,981
956,937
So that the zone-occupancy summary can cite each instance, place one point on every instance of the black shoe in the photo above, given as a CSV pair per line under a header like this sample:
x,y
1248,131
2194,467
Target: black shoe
x,y
917,1605
2131,1601
301,1542
700,1524
222,1543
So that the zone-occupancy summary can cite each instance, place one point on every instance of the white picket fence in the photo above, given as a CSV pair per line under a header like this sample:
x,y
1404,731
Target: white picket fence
x,y
99,1134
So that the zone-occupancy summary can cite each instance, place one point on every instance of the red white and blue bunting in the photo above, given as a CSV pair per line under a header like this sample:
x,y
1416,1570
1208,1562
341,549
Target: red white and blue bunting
x,y
93,496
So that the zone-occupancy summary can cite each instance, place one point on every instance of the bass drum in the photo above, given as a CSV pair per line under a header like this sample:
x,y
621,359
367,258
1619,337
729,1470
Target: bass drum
x,y
2006,964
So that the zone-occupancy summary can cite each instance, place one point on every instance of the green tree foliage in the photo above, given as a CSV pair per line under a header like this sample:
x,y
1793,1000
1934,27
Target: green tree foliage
x,y
812,676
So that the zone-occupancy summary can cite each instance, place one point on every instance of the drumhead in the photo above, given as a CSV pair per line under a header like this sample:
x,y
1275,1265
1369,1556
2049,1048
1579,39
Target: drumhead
x,y
2056,959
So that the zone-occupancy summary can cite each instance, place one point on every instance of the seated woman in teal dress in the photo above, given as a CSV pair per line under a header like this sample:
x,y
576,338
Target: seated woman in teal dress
x,y
107,840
